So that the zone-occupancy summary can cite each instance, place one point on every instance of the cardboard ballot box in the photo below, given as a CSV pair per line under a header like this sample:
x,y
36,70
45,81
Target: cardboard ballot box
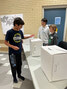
x,y
27,41
54,62
35,47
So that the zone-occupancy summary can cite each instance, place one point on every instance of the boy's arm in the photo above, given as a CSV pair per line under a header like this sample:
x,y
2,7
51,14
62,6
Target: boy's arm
x,y
38,34
11,46
55,40
25,37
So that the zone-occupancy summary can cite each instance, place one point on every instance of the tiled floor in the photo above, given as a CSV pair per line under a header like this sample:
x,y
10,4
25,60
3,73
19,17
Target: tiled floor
x,y
6,81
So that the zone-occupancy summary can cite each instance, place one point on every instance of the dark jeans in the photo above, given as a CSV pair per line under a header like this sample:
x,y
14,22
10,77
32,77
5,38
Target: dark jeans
x,y
17,68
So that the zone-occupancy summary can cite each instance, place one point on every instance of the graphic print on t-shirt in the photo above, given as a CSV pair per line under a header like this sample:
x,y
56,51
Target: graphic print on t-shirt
x,y
17,38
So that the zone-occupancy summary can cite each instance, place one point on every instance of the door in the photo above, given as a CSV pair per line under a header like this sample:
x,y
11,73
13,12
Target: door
x,y
56,16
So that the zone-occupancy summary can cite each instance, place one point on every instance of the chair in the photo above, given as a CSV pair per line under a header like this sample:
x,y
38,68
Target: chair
x,y
63,44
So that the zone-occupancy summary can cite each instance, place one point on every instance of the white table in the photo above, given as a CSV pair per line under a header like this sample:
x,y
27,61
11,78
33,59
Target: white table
x,y
40,80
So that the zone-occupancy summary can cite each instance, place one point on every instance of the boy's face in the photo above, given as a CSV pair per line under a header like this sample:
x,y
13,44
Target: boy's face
x,y
18,27
43,23
51,29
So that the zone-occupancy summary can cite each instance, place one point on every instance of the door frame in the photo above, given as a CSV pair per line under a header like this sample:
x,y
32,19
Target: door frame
x,y
58,6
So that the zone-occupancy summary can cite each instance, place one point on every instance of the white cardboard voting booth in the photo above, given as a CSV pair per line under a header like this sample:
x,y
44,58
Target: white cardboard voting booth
x,y
27,41
54,62
35,47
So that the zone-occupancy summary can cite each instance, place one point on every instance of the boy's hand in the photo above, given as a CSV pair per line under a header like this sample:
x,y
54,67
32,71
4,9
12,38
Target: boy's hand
x,y
15,47
32,35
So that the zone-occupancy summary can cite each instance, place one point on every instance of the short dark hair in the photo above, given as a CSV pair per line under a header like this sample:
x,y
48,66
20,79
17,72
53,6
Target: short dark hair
x,y
44,20
18,21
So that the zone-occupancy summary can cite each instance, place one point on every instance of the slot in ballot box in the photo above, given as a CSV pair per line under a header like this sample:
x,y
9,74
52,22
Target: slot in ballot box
x,y
35,47
54,62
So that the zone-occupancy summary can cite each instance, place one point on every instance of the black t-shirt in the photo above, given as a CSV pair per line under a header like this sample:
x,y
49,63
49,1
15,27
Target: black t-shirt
x,y
14,38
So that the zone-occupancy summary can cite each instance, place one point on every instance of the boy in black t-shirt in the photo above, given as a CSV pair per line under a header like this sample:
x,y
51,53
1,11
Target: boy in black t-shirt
x,y
53,36
13,40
